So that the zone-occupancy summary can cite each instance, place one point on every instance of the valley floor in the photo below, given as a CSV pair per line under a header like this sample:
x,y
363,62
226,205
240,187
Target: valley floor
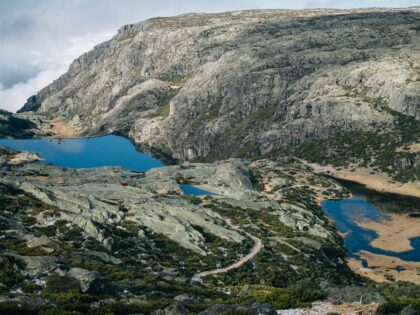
x,y
378,181
394,233
386,268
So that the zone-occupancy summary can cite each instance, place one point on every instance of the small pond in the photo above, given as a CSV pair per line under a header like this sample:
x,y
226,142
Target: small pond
x,y
369,205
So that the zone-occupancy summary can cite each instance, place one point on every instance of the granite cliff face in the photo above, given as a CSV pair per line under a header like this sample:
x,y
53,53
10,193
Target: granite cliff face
x,y
243,83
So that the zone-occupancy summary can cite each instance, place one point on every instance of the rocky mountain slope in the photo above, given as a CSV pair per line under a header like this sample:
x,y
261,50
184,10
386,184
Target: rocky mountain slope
x,y
18,127
244,83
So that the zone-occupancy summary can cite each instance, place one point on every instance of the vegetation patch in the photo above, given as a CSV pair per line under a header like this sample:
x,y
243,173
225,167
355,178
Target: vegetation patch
x,y
367,149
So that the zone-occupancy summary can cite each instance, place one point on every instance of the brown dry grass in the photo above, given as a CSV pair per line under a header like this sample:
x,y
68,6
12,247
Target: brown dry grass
x,y
412,148
62,129
379,182
381,267
394,234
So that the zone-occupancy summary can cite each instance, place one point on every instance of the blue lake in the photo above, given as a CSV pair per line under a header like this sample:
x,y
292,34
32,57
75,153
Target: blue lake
x,y
194,191
108,150
87,152
347,212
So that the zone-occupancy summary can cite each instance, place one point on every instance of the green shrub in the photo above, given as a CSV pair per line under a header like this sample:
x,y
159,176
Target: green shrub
x,y
60,284
10,274
390,308
13,308
29,287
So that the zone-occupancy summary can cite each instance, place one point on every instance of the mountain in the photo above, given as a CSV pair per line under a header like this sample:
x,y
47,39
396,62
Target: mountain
x,y
250,83
252,95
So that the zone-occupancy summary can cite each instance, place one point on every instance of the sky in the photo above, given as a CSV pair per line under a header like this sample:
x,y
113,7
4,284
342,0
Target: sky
x,y
39,39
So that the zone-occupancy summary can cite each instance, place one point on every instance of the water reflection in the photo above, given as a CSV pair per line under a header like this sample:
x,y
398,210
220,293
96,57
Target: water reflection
x,y
346,213
109,150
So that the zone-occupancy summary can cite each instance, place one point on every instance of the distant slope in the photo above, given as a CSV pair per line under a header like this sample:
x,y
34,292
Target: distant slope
x,y
251,83
15,127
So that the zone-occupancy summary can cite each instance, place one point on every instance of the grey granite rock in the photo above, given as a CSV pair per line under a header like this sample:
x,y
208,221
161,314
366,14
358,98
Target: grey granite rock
x,y
13,126
39,266
86,278
254,309
173,309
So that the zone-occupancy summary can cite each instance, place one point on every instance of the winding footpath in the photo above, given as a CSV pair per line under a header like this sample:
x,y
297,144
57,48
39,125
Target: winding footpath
x,y
254,251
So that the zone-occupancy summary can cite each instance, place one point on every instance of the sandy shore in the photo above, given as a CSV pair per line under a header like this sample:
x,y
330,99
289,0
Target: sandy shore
x,y
55,179
379,182
393,234
22,157
61,129
381,267
415,147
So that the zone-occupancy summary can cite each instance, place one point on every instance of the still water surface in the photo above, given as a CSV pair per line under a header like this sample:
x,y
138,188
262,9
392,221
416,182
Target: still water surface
x,y
108,150
87,152
347,212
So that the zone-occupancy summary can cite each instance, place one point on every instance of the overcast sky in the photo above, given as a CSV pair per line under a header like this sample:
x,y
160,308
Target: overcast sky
x,y
39,39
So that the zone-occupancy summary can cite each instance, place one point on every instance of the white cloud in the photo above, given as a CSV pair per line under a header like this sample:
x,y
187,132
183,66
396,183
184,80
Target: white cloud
x,y
14,97
53,64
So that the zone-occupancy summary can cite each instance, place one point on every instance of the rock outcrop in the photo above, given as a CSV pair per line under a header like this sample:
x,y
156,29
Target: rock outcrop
x,y
13,126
